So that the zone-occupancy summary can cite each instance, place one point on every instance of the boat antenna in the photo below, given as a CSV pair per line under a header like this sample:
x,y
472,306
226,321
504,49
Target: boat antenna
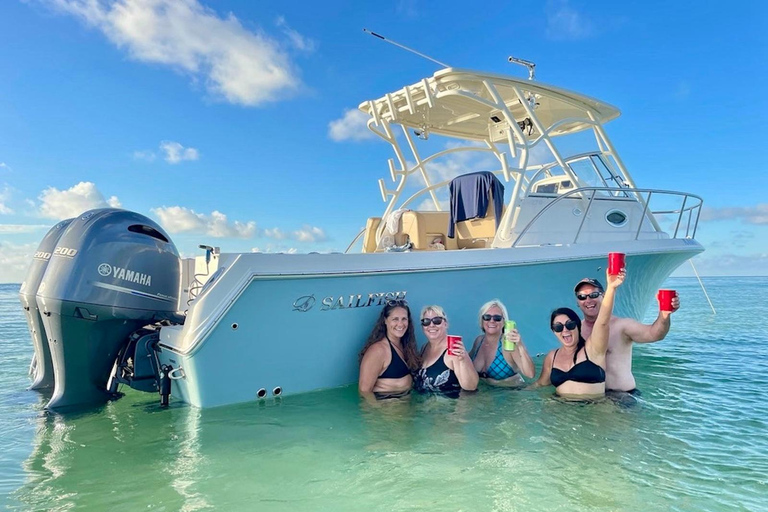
x,y
530,65
374,34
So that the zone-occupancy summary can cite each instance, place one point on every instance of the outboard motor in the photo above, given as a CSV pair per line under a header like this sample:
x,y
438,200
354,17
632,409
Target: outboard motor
x,y
43,369
112,272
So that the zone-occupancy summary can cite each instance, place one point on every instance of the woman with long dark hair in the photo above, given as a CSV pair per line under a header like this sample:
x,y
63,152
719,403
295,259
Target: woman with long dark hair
x,y
577,368
388,359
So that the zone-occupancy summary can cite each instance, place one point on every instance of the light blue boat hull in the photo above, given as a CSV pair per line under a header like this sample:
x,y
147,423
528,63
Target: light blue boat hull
x,y
301,333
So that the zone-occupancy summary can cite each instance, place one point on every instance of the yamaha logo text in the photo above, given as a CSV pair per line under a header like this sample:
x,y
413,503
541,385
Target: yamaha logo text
x,y
124,274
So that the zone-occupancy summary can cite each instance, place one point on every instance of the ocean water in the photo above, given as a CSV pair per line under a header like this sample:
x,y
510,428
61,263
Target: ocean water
x,y
696,440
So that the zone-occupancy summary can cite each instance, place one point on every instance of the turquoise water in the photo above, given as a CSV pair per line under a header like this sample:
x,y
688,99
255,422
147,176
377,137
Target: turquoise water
x,y
696,440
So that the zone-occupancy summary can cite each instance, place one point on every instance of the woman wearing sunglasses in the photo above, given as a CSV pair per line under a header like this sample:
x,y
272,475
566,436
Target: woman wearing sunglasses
x,y
441,372
496,365
577,368
389,356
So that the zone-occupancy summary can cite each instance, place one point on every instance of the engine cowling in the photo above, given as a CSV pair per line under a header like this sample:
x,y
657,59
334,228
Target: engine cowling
x,y
112,272
43,373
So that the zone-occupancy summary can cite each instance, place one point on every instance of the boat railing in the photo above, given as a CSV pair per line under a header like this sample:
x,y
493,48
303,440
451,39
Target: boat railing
x,y
686,215
352,243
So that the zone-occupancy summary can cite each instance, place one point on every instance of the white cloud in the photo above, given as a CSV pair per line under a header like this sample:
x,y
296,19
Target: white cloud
x,y
275,249
565,23
757,214
309,234
14,229
5,196
240,66
297,40
428,205
4,165
175,152
14,261
275,233
353,126
177,219
462,162
64,204
146,155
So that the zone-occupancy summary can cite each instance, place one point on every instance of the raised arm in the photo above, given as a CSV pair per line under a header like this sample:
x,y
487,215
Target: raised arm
x,y
598,340
633,330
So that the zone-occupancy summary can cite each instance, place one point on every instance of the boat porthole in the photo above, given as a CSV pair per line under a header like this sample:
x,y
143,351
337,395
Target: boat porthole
x,y
277,391
577,211
235,326
261,393
616,218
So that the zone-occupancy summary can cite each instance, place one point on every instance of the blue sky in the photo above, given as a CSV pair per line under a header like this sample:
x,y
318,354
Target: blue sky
x,y
228,122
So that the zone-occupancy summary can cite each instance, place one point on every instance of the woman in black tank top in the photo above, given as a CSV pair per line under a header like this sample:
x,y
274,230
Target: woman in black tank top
x,y
389,357
441,372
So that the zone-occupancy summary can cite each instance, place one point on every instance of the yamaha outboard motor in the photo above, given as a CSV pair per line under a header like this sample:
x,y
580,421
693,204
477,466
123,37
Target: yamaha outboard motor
x,y
43,369
112,272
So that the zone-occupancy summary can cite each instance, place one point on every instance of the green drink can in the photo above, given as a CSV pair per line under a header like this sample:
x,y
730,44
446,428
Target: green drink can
x,y
509,325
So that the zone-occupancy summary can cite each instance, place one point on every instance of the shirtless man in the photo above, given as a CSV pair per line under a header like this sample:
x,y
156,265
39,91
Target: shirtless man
x,y
623,332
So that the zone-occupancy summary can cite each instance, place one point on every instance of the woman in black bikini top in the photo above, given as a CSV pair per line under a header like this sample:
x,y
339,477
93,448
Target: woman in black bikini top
x,y
577,369
389,356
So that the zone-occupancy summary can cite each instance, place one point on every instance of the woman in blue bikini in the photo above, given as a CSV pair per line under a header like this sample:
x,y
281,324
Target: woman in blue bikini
x,y
496,366
441,372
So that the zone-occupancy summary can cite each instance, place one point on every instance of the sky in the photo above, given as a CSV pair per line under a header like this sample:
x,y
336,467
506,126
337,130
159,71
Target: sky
x,y
234,124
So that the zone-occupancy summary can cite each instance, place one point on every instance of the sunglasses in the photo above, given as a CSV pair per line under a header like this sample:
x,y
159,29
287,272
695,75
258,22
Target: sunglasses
x,y
397,302
495,318
437,320
585,296
570,325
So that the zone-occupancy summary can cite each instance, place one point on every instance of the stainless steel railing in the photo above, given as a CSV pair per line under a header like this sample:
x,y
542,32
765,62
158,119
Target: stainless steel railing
x,y
687,213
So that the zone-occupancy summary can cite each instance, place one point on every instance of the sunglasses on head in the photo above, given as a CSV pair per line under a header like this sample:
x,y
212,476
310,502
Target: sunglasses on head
x,y
495,318
570,325
585,296
397,302
437,320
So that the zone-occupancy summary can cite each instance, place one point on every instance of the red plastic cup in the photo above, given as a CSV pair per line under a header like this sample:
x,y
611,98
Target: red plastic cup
x,y
616,262
451,341
665,299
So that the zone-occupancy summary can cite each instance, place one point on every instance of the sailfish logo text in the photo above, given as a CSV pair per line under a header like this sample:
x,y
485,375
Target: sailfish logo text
x,y
125,274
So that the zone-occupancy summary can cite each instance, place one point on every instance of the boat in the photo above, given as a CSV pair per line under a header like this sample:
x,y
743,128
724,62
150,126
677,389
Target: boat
x,y
542,198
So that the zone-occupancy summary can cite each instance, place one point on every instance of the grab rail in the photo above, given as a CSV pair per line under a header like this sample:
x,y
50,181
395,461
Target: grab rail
x,y
355,240
580,193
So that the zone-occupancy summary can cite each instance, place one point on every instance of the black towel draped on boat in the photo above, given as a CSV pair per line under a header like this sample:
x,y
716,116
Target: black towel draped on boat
x,y
469,198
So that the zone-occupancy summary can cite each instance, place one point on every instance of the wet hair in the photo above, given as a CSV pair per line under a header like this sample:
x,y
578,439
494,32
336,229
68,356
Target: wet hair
x,y
488,305
408,341
571,314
